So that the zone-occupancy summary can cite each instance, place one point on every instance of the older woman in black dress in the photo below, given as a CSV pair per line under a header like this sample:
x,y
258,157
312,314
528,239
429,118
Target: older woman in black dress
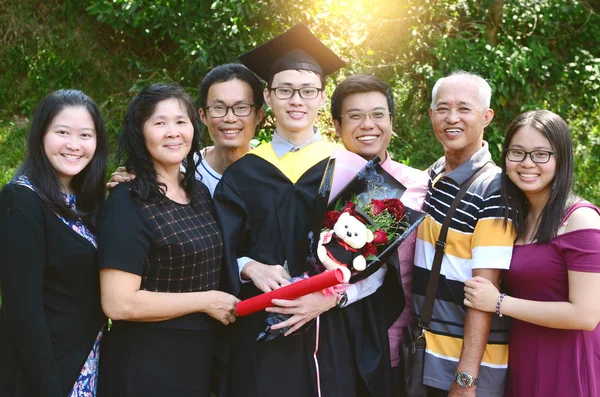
x,y
160,251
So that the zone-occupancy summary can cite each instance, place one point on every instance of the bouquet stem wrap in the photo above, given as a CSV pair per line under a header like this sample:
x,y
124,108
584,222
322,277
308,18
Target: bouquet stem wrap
x,y
292,291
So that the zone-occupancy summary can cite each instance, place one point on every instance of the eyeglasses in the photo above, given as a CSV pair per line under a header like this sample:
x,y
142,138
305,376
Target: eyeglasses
x,y
304,92
240,110
357,116
537,156
443,110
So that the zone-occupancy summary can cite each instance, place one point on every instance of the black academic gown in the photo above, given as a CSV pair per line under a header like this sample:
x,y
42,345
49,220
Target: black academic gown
x,y
264,205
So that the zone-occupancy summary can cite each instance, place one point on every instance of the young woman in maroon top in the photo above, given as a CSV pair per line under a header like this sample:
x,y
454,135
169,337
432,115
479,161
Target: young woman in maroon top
x,y
554,279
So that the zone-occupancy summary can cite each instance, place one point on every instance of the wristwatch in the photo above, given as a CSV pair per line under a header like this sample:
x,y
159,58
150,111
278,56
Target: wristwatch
x,y
341,300
464,379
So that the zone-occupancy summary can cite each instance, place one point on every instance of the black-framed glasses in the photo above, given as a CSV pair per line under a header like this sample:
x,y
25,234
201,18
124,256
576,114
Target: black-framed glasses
x,y
537,156
357,116
240,110
304,92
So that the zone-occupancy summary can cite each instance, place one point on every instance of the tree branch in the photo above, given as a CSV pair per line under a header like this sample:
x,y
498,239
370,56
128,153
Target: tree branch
x,y
495,11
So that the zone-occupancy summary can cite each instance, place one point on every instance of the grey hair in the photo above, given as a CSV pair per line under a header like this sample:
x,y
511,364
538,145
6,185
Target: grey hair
x,y
485,91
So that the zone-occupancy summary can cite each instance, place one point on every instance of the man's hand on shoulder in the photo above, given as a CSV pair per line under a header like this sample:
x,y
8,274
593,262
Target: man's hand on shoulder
x,y
266,277
120,175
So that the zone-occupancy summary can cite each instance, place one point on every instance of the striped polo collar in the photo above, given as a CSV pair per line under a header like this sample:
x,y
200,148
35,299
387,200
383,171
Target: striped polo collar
x,y
465,170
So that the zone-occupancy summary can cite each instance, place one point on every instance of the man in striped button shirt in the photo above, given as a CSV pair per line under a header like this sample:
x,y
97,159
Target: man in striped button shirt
x,y
467,350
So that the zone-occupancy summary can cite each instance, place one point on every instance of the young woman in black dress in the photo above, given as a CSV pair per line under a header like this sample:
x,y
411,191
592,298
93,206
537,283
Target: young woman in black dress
x,y
160,251
51,320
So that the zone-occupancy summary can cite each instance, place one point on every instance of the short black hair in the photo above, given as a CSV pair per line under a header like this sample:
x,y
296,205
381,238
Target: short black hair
x,y
358,84
132,145
232,71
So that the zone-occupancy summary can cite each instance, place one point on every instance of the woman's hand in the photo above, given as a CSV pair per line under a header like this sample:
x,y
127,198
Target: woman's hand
x,y
221,306
481,294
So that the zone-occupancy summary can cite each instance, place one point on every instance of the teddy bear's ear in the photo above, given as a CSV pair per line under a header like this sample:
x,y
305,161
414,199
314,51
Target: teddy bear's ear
x,y
369,236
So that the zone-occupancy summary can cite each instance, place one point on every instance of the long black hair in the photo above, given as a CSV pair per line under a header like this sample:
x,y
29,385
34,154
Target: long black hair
x,y
556,130
132,146
88,185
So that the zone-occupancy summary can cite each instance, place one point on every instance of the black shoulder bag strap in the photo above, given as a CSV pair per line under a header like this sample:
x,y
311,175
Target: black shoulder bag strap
x,y
440,247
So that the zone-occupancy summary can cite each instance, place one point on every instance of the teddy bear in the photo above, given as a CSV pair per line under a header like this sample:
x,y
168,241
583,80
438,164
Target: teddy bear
x,y
341,246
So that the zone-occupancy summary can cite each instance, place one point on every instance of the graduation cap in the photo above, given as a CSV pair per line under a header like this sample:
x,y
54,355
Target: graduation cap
x,y
297,48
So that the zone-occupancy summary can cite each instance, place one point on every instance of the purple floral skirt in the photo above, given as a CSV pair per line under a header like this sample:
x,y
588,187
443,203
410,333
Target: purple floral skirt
x,y
87,381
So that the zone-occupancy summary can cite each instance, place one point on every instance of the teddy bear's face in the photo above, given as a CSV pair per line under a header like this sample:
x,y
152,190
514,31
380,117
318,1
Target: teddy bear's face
x,y
352,231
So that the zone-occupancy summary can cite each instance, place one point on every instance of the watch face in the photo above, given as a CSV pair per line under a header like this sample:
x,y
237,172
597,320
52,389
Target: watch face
x,y
464,379
343,300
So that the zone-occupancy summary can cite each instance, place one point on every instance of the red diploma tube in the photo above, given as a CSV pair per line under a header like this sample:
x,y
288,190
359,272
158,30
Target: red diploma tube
x,y
299,288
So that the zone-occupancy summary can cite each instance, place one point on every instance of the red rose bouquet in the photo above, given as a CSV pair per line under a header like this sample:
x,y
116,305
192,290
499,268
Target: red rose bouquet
x,y
363,224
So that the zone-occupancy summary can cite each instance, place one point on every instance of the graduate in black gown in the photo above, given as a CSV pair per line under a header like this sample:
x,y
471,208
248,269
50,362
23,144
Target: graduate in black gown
x,y
264,202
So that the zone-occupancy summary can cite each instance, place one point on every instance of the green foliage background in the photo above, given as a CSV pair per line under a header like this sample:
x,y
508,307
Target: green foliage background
x,y
535,53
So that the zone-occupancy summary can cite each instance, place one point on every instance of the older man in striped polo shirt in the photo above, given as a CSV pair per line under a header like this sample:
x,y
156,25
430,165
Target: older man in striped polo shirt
x,y
467,350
